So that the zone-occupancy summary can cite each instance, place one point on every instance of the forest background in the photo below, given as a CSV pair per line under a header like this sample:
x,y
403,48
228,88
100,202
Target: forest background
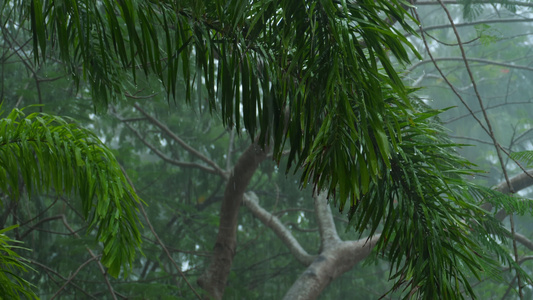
x,y
179,158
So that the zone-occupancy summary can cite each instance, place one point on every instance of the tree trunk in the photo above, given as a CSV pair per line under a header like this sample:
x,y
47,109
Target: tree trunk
x,y
214,278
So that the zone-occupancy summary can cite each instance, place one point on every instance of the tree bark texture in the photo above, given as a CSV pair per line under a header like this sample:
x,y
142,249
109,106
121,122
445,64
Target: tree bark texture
x,y
214,278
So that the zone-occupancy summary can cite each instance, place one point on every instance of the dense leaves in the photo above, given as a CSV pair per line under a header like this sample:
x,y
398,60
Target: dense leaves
x,y
46,152
295,71
433,231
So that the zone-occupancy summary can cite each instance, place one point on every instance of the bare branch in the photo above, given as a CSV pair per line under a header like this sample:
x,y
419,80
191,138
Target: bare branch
x,y
100,266
251,201
469,59
39,223
518,182
74,275
452,2
48,269
473,23
166,158
328,232
329,265
159,241
182,143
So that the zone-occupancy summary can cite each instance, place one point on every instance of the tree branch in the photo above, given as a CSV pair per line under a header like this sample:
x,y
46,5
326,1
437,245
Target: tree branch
x,y
329,237
479,22
165,157
159,241
329,265
517,3
518,182
48,269
182,143
71,277
214,279
469,59
100,266
271,221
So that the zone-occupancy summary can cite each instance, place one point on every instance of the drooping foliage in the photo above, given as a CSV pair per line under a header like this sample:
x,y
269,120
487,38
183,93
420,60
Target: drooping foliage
x,y
47,153
434,232
13,286
283,69
314,77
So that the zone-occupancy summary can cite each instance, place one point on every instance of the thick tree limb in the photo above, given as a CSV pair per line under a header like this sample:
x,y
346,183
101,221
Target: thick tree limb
x,y
214,278
328,232
336,256
519,182
524,241
330,264
271,221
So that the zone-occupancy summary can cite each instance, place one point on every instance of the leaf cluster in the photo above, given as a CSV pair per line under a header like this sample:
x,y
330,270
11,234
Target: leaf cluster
x,y
434,233
43,152
292,72
12,286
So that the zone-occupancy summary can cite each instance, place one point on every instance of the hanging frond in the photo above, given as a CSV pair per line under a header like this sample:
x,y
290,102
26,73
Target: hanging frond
x,y
523,156
512,203
12,286
45,153
433,231
282,69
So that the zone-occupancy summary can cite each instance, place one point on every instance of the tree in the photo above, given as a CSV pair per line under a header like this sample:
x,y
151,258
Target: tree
x,y
352,129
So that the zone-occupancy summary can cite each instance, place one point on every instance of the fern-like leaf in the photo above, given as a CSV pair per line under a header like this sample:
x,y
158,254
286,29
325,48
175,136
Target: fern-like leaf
x,y
47,153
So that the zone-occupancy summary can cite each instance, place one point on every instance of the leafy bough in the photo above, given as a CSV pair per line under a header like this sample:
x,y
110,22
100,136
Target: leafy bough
x,y
48,153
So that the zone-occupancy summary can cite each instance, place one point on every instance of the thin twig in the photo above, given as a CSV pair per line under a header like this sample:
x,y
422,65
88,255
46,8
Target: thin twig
x,y
177,139
165,157
470,59
488,108
71,277
95,257
48,269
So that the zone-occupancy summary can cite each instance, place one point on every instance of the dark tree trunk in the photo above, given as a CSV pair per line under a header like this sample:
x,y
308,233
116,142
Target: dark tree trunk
x,y
214,278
